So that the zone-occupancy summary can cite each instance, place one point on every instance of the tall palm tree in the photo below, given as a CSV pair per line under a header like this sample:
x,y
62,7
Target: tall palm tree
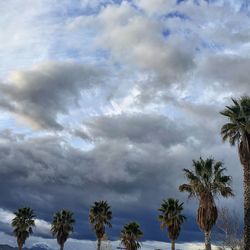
x,y
206,182
130,236
171,218
62,226
99,216
22,223
237,132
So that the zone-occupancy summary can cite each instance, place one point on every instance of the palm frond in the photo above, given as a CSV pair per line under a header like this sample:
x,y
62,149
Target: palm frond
x,y
100,215
171,217
22,223
62,225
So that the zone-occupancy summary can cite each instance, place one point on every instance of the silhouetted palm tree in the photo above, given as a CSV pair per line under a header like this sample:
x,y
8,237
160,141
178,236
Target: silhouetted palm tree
x,y
204,183
22,223
130,236
99,216
62,226
237,132
171,218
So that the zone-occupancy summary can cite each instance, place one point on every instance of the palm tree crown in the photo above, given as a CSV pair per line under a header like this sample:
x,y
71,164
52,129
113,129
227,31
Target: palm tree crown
x,y
100,215
171,217
237,130
22,223
207,180
130,236
62,226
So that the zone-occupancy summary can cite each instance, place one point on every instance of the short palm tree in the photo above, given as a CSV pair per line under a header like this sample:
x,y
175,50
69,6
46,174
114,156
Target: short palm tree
x,y
130,236
171,218
62,226
23,223
237,132
100,215
206,182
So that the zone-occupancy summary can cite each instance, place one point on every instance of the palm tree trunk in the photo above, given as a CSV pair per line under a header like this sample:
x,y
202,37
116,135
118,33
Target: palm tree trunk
x,y
207,240
172,245
61,246
19,244
99,244
246,206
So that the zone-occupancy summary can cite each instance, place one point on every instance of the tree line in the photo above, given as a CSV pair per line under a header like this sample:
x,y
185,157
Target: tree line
x,y
205,181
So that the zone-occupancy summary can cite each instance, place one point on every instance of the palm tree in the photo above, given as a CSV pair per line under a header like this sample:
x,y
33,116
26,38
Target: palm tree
x,y
130,236
206,182
62,226
237,132
22,223
171,218
99,216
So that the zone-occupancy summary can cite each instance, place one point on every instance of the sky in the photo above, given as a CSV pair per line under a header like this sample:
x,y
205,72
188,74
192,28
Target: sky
x,y
110,100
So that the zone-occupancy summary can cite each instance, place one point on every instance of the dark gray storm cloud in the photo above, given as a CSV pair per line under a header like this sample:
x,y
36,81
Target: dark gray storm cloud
x,y
115,169
41,94
47,173
138,128
127,166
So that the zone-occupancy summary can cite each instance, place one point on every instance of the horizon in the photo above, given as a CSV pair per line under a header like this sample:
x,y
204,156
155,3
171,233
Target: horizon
x,y
72,244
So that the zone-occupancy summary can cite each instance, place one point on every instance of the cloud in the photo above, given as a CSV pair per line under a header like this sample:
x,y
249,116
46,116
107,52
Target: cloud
x,y
135,160
126,173
175,51
136,128
24,39
41,94
230,70
123,34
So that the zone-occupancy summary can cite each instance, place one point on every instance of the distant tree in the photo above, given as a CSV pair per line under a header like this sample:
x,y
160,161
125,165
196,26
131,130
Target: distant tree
x,y
230,233
23,223
171,218
130,236
237,132
62,226
204,183
100,215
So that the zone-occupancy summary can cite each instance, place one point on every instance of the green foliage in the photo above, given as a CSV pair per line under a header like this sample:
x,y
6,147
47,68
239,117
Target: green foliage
x,y
171,217
237,130
130,236
62,226
22,223
100,215
238,115
207,177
